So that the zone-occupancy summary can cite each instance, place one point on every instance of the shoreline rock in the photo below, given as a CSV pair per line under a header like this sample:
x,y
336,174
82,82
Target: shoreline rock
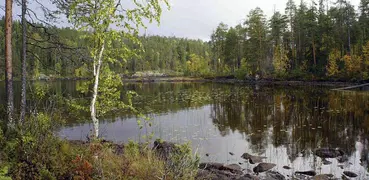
x,y
220,171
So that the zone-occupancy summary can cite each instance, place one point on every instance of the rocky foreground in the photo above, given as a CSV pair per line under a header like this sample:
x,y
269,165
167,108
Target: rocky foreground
x,y
262,170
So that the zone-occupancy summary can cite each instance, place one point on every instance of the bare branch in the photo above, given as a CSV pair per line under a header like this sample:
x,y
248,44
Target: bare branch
x,y
41,62
47,12
51,47
31,12
45,30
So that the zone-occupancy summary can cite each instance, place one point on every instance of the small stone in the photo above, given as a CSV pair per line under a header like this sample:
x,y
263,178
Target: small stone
x,y
326,162
286,167
273,175
253,159
350,174
342,159
343,177
308,173
262,167
231,153
210,165
329,152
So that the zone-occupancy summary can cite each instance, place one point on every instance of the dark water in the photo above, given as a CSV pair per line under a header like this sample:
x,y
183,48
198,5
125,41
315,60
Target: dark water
x,y
283,123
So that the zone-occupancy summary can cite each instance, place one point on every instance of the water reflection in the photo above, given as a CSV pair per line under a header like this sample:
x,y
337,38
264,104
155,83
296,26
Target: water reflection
x,y
282,123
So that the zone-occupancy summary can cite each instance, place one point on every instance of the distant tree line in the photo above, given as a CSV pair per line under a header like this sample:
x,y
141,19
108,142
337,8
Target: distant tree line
x,y
61,52
171,53
314,39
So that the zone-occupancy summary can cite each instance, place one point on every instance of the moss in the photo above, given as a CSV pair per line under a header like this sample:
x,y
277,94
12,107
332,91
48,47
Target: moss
x,y
3,173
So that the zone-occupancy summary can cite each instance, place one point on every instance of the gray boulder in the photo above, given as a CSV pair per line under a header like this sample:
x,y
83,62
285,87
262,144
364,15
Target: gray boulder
x,y
253,159
262,167
329,152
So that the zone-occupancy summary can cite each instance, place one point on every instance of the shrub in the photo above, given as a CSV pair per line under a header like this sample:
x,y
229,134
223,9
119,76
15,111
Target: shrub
x,y
182,164
34,152
244,71
297,74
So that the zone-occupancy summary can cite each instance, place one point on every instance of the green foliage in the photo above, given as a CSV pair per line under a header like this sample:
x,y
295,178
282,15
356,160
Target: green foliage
x,y
152,53
308,33
38,154
182,164
108,47
257,44
306,39
280,60
34,150
197,66
110,98
3,173
352,64
365,66
82,71
218,41
332,67
244,71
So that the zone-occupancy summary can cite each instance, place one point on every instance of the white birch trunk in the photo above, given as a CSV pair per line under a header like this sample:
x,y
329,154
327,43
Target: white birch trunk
x,y
94,67
95,92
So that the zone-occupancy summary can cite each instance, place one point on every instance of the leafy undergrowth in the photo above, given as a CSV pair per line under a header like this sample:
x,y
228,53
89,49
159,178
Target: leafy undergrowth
x,y
3,173
36,153
96,161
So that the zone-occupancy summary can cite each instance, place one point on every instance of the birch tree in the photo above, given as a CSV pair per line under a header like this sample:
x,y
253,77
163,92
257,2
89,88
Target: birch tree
x,y
107,23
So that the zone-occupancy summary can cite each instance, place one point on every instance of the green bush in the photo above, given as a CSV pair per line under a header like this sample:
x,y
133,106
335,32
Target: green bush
x,y
182,164
240,74
34,152
297,74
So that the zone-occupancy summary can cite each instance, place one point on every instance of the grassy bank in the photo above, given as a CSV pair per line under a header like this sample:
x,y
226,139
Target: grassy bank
x,y
32,151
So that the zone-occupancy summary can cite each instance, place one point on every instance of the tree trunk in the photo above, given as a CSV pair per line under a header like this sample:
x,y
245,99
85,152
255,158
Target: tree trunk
x,y
314,53
8,63
349,40
94,64
95,92
24,62
300,49
260,54
239,55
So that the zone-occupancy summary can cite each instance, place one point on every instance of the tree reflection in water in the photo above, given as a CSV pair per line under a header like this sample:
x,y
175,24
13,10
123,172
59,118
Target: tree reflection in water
x,y
284,123
295,120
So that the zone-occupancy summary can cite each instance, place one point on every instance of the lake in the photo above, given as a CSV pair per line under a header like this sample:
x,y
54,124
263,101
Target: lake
x,y
283,123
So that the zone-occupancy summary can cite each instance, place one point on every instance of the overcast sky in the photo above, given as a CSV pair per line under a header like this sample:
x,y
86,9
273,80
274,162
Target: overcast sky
x,y
196,19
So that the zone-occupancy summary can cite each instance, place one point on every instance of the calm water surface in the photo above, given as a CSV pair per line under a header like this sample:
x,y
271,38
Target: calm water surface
x,y
283,123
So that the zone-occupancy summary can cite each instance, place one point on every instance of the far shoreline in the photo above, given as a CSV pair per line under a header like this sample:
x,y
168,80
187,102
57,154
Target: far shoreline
x,y
220,79
237,81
